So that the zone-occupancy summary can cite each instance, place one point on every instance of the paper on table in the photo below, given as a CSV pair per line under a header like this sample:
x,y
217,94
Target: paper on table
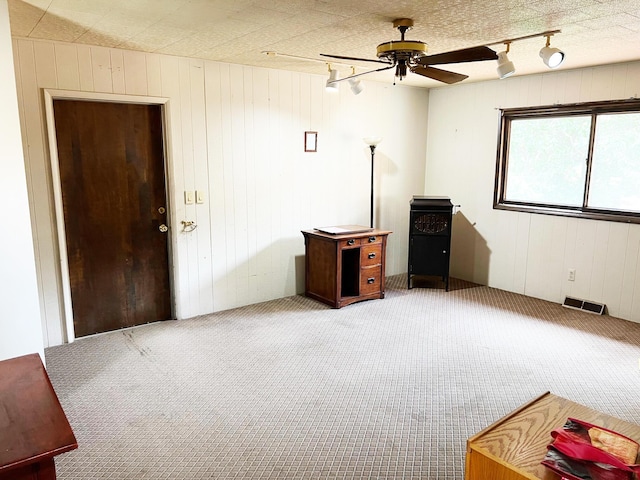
x,y
344,229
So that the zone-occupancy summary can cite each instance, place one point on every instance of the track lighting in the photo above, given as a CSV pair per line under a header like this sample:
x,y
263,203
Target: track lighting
x,y
354,83
505,67
332,85
334,79
552,57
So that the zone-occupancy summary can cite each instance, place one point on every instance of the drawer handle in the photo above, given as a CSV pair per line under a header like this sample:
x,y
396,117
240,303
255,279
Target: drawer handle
x,y
371,280
372,255
444,251
372,239
351,242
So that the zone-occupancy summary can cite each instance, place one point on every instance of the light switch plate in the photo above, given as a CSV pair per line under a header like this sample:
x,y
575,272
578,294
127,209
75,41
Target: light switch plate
x,y
199,196
188,197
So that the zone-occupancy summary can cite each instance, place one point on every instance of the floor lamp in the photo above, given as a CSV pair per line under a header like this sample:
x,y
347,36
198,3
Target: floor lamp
x,y
373,143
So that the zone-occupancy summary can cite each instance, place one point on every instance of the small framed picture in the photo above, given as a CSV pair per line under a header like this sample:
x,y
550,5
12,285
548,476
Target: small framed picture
x,y
310,141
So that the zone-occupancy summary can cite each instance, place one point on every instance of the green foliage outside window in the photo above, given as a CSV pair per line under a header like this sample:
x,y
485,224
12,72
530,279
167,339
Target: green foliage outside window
x,y
578,160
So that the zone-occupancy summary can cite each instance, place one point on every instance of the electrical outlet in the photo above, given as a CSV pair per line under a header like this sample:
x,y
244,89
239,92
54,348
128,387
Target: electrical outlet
x,y
572,275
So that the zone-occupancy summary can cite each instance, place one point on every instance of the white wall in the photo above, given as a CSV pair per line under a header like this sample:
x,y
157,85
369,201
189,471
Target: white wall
x,y
237,133
20,330
520,252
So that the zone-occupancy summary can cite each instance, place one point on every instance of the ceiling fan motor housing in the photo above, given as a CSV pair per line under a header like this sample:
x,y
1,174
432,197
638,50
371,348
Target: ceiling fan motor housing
x,y
403,49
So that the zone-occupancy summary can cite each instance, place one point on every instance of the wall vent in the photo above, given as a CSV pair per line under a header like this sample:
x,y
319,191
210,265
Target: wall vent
x,y
584,305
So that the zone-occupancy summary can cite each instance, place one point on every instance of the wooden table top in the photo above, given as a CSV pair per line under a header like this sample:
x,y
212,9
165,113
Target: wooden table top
x,y
33,425
353,233
520,439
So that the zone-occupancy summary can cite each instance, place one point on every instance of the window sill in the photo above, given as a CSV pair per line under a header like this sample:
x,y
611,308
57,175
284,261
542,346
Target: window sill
x,y
602,215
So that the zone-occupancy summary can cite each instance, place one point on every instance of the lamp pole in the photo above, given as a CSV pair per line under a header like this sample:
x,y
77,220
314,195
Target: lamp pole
x,y
373,143
373,155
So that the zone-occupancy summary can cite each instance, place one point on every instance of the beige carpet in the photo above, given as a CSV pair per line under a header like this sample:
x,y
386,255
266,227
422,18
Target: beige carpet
x,y
293,389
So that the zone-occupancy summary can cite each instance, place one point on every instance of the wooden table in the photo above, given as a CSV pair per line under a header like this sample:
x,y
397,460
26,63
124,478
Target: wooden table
x,y
345,268
33,426
513,447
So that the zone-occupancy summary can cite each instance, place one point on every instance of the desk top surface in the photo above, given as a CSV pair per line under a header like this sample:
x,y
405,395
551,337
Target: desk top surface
x,y
33,425
354,234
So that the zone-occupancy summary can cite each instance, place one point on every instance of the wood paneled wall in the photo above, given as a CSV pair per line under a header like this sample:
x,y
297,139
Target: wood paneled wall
x,y
528,253
235,133
20,326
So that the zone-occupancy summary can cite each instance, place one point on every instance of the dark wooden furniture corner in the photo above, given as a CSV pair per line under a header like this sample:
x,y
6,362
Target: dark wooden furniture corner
x,y
33,426
346,268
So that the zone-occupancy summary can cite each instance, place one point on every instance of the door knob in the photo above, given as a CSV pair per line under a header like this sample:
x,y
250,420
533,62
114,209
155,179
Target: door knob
x,y
163,228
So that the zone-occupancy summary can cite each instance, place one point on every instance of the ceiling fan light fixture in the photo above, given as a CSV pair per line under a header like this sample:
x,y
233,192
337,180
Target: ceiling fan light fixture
x,y
332,85
505,66
552,57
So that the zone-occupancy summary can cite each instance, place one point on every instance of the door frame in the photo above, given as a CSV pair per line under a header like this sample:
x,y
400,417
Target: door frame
x,y
68,331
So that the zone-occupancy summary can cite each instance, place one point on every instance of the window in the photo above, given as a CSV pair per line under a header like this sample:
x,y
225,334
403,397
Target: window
x,y
577,160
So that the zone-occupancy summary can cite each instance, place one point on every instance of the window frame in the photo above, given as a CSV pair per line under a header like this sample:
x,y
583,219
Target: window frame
x,y
592,109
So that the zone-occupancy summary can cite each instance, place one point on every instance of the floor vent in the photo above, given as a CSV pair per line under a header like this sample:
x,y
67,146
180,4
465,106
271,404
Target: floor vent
x,y
577,304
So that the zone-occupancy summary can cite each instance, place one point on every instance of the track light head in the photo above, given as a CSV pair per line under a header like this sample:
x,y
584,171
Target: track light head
x,y
332,85
552,57
356,86
505,66
354,83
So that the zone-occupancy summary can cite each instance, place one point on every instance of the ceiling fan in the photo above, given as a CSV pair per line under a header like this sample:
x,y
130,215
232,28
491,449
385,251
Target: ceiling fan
x,y
412,55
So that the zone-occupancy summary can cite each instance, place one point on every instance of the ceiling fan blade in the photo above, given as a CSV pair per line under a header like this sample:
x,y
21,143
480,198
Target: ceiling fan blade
x,y
440,75
354,58
473,54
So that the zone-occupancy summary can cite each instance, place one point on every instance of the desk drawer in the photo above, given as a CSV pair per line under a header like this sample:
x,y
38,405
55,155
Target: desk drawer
x,y
370,278
350,243
371,255
371,239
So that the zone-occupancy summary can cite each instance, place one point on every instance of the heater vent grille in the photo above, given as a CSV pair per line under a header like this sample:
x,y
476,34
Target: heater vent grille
x,y
584,305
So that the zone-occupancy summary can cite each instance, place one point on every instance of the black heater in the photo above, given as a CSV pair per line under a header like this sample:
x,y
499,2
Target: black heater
x,y
430,238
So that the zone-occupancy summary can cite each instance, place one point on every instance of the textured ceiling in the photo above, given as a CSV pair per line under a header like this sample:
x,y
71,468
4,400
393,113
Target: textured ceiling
x,y
238,31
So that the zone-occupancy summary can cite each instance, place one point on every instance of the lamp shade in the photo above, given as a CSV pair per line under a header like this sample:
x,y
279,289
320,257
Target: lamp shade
x,y
372,141
552,57
505,66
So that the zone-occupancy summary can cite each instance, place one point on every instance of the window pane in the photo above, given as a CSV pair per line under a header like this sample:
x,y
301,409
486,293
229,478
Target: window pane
x,y
615,172
547,160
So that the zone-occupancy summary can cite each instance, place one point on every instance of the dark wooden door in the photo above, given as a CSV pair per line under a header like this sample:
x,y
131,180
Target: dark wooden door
x,y
112,175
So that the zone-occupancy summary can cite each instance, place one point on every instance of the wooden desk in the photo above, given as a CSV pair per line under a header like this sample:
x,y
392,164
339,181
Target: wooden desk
x,y
33,426
344,269
513,447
